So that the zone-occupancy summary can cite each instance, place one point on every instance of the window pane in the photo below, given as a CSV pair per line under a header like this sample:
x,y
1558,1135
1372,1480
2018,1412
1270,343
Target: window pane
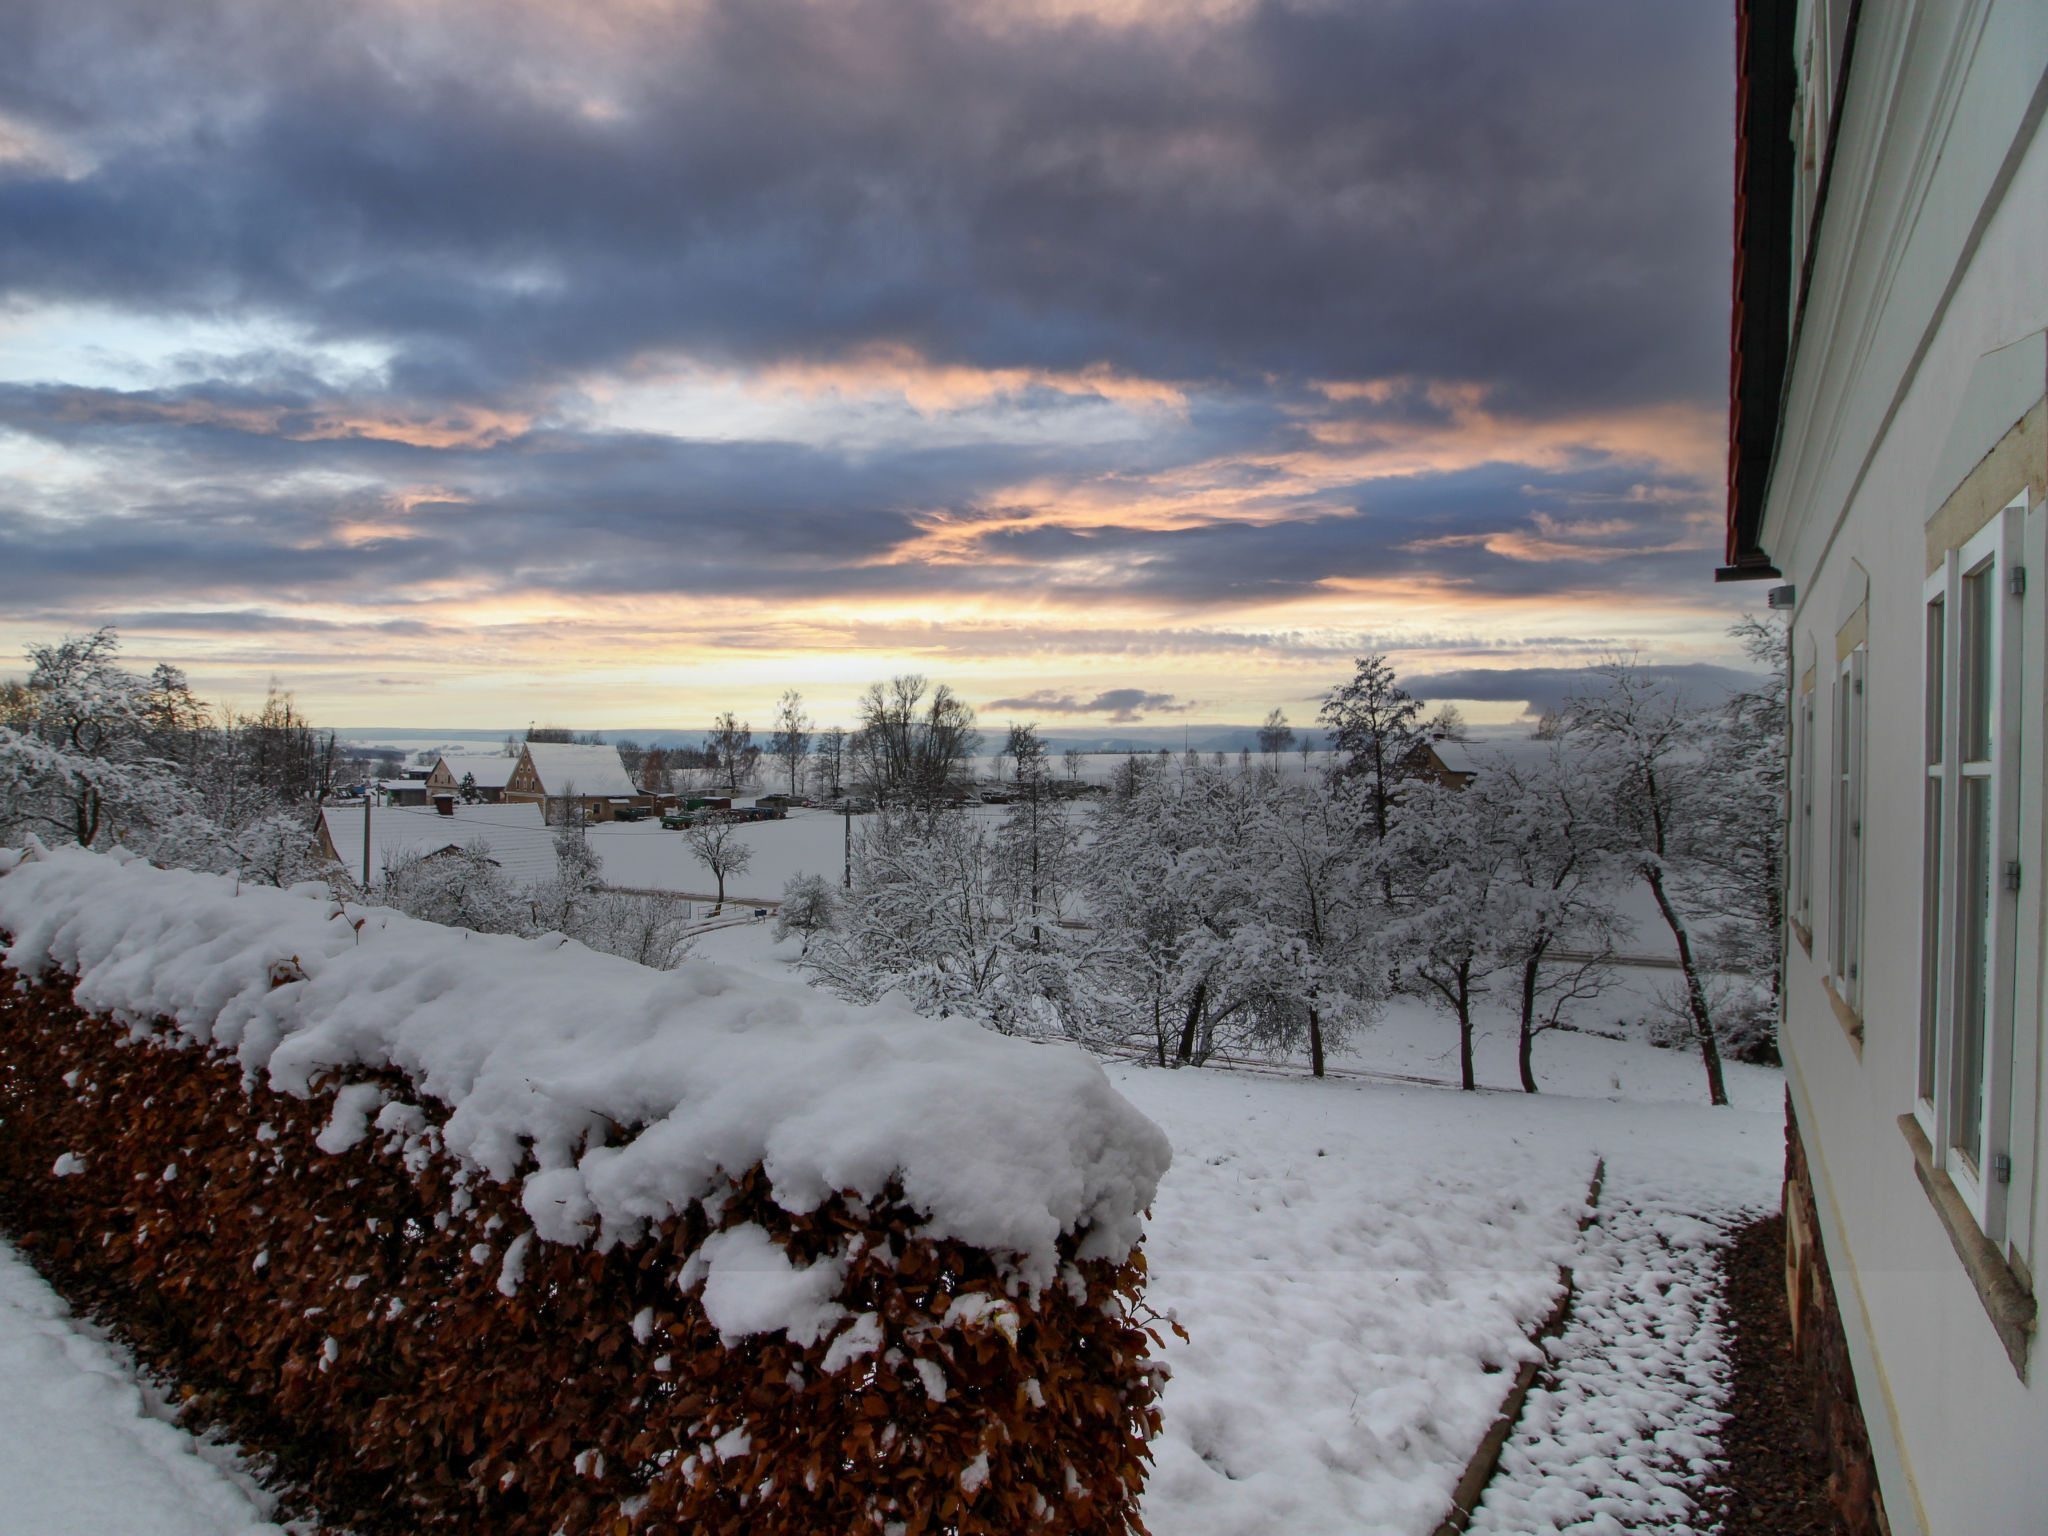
x,y
1973,953
1936,625
1976,643
1930,939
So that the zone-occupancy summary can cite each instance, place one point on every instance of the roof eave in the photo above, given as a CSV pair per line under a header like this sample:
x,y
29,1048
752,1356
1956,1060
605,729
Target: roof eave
x,y
1760,325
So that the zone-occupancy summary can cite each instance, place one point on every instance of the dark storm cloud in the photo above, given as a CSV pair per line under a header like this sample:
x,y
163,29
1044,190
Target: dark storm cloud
x,y
199,493
1122,705
1529,197
1545,688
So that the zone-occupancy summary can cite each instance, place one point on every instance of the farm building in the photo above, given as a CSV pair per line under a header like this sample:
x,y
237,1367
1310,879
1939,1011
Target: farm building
x,y
591,782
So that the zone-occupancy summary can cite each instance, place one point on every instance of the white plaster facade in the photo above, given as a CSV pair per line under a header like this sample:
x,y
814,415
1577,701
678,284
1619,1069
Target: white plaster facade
x,y
1913,418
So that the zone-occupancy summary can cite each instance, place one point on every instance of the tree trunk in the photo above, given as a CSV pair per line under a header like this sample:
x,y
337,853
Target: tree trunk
x,y
1695,991
1525,1048
1470,1078
1187,1032
1315,1043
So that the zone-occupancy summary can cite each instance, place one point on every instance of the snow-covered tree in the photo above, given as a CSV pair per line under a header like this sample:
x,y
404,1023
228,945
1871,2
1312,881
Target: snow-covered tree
x,y
1315,926
1660,787
1174,878
1742,866
458,887
1447,864
1558,892
1371,721
76,759
810,906
927,920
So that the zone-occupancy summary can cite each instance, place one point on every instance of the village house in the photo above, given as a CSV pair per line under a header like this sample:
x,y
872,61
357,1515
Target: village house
x,y
1450,763
1887,473
588,781
486,776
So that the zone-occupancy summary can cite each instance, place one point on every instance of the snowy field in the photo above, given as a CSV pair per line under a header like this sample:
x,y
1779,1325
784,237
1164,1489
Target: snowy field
x,y
1356,1263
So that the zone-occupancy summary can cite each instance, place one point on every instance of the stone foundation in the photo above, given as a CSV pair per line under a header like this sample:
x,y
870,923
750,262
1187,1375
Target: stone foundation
x,y
1821,1352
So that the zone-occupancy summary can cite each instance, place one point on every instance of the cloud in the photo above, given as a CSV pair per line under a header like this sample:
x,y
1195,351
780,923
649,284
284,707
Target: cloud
x,y
495,193
1545,688
1122,705
923,321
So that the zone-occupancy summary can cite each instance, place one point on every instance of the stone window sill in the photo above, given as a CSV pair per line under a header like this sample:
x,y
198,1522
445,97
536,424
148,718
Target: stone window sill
x,y
1850,1020
2007,1299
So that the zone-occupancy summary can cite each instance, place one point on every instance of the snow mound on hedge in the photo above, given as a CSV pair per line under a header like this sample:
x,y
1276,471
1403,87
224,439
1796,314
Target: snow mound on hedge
x,y
542,1043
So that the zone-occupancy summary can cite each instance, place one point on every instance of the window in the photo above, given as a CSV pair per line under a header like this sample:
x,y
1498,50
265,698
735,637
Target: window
x,y
1845,906
1802,810
1971,883
1931,878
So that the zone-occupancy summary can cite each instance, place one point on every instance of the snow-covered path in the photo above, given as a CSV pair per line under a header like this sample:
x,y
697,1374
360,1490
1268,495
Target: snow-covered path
x,y
80,1454
1358,1264
1618,1435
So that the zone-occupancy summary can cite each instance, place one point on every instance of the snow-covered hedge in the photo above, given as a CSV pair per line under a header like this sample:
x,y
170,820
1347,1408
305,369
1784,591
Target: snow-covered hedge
x,y
530,1238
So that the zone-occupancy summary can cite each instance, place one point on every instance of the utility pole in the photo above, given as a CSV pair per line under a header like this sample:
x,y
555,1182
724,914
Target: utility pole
x,y
846,879
369,794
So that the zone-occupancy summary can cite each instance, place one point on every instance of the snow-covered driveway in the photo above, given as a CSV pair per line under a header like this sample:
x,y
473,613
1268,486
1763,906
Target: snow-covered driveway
x,y
80,1455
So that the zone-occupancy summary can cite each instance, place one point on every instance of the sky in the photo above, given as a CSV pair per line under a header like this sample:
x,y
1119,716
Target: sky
x,y
466,363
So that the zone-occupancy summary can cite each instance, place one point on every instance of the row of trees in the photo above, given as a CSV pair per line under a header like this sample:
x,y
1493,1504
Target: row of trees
x,y
1207,909
95,753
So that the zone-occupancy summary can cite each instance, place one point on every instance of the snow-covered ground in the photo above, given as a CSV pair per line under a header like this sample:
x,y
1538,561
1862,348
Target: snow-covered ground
x,y
85,1449
1357,1263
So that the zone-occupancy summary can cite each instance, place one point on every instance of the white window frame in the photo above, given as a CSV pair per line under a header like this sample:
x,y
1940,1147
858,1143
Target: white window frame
x,y
1986,1183
1845,821
1804,722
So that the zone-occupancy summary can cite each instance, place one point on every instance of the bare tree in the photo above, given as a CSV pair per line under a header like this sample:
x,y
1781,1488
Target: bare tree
x,y
914,740
730,744
716,845
792,739
1026,753
830,761
1276,735
1448,723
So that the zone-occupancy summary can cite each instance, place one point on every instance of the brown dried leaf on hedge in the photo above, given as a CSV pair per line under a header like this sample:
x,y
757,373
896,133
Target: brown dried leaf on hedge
x,y
343,1314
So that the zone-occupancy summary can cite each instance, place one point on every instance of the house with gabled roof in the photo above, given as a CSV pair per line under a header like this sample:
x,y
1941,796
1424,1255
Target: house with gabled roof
x,y
574,781
1887,472
488,776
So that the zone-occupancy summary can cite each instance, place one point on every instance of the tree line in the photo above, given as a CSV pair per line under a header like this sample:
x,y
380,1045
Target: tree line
x,y
1206,909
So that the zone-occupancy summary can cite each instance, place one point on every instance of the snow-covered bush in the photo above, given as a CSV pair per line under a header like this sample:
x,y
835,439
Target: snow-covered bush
x,y
931,919
634,1251
809,907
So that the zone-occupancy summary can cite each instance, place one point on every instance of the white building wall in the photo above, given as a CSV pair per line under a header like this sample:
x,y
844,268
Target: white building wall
x,y
1942,148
